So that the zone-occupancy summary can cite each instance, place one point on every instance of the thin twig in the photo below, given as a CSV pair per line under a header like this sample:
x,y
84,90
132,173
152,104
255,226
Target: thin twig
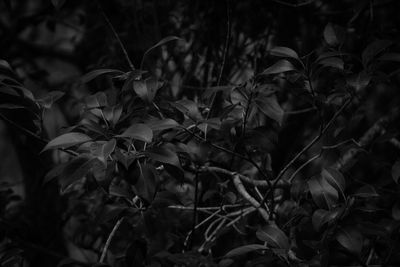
x,y
109,239
117,38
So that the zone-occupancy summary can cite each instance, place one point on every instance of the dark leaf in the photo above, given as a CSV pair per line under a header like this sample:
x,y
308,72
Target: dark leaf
x,y
334,178
244,250
58,3
48,100
95,73
330,35
274,236
279,67
359,81
138,131
366,191
164,155
373,50
98,100
160,43
67,140
163,124
321,217
390,57
351,239
333,62
11,106
270,107
281,51
323,194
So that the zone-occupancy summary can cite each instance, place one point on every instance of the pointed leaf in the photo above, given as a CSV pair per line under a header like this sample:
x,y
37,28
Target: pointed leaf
x,y
366,191
95,73
279,67
281,51
334,178
67,140
273,236
160,43
138,131
164,155
323,194
333,62
330,35
245,249
160,125
351,239
373,49
321,217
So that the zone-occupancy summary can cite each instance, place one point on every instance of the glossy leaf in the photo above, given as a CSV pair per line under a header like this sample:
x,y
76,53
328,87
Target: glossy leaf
x,y
67,140
281,51
334,178
321,217
274,236
330,35
97,100
366,191
163,124
95,73
164,155
279,67
351,239
323,194
147,89
138,131
373,49
333,62
245,249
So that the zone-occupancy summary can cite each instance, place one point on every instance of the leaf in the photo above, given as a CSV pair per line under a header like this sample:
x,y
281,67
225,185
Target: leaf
x,y
76,169
330,35
138,131
107,149
333,62
67,140
95,73
396,171
145,186
322,217
244,250
279,67
359,81
163,124
5,65
160,43
366,191
98,100
270,107
335,178
323,194
281,51
373,49
351,239
164,155
147,89
51,97
274,236
113,114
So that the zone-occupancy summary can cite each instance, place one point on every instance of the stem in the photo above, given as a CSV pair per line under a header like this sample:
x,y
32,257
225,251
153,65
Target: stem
x,y
109,239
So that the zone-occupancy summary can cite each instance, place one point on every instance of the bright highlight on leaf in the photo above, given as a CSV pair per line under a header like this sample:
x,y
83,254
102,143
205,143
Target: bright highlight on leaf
x,y
138,131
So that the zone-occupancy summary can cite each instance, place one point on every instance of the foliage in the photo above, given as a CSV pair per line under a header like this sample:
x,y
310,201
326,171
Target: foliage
x,y
293,162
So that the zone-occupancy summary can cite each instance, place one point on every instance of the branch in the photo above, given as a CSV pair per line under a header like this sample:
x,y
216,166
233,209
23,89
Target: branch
x,y
260,183
108,242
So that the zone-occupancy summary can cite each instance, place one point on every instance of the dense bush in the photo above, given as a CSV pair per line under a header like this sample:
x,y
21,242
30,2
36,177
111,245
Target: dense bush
x,y
253,134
